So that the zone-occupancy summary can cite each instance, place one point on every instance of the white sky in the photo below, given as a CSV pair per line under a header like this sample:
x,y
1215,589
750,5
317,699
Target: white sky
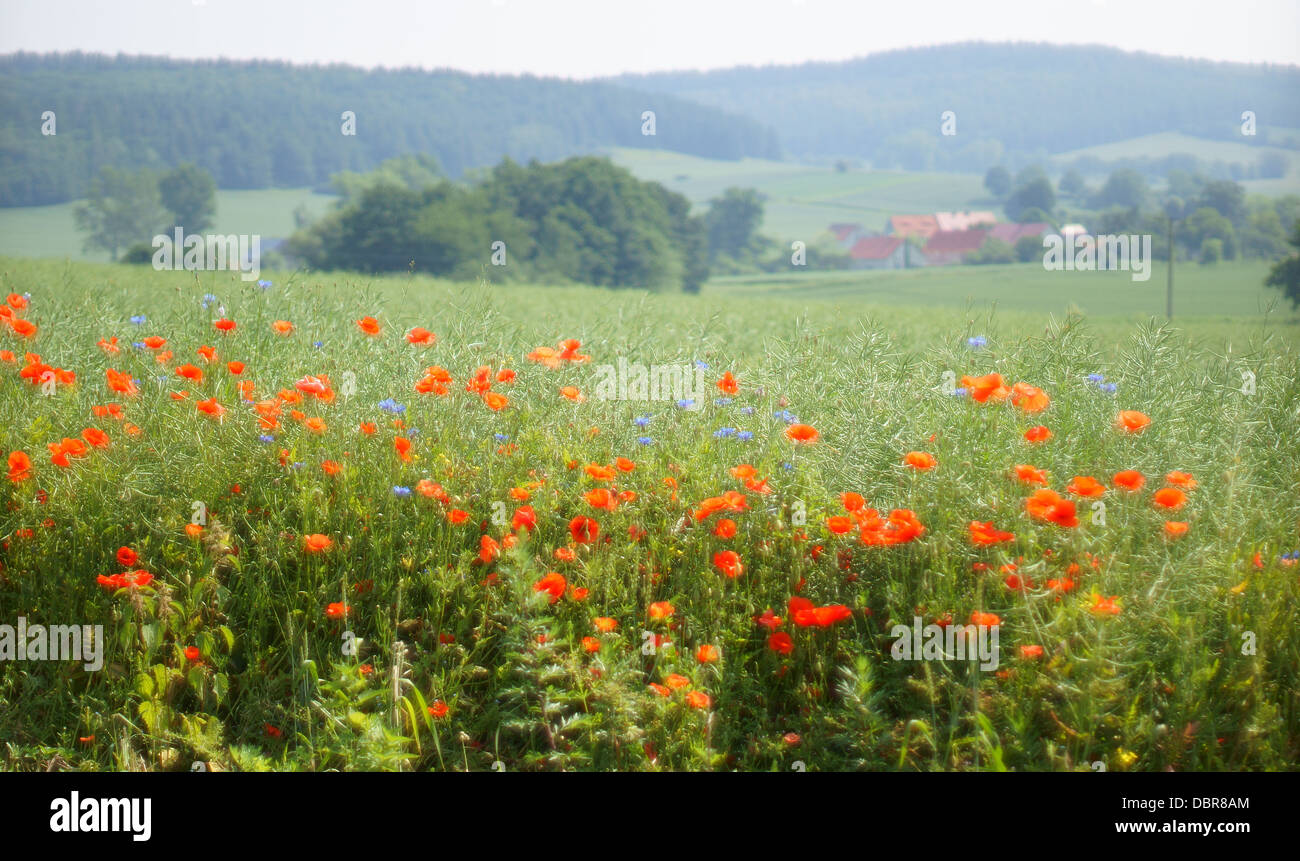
x,y
591,38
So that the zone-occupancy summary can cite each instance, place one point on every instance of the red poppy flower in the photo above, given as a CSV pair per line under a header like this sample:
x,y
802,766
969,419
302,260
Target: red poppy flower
x,y
1050,506
803,434
1038,433
584,530
728,562
1129,479
985,534
552,584
1132,421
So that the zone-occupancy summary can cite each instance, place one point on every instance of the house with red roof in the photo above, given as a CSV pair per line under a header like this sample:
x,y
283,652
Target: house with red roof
x,y
953,221
945,247
1013,233
881,252
913,225
847,234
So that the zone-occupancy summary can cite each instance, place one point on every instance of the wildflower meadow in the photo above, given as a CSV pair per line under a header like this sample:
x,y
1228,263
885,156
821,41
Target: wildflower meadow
x,y
334,522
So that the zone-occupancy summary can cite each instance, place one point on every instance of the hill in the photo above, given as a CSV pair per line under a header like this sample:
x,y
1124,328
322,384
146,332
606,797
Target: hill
x,y
263,124
1024,100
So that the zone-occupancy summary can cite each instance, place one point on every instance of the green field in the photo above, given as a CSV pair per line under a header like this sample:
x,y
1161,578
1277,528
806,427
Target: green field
x,y
802,200
1223,291
50,231
1167,143
317,560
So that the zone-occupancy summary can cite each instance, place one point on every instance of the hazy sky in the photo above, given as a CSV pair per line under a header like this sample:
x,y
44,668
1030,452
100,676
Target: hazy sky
x,y
589,38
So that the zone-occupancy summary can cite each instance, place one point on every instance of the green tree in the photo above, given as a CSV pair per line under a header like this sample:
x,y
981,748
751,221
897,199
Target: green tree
x,y
1285,274
1211,251
1205,223
1072,184
190,194
1029,248
998,181
732,222
1036,193
1226,198
992,251
122,207
1263,237
1124,188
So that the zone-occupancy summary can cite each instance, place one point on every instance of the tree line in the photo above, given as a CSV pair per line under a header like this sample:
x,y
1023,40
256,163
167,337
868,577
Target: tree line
x,y
265,124
1012,103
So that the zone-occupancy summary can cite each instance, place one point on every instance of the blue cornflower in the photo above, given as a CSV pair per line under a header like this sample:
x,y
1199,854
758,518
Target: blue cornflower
x,y
389,405
138,319
645,440
701,365
977,342
266,437
318,344
299,465
786,416
264,284
1109,388
746,411
724,432
686,403
139,345
501,437
788,467
722,402
959,392
641,421
1096,378
745,436
398,490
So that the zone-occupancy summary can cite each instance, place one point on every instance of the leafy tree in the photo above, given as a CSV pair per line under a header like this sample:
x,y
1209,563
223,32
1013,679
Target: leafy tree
x,y
998,181
1072,184
1205,223
1029,248
1211,251
1124,188
992,251
1263,237
1036,193
1033,215
1285,274
190,194
1226,198
121,208
733,221
583,220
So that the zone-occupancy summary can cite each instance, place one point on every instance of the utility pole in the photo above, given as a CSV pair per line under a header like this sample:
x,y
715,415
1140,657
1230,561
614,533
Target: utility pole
x,y
1173,210
1169,283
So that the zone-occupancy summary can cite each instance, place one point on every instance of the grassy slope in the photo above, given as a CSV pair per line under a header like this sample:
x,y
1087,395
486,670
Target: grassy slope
x,y
802,201
49,231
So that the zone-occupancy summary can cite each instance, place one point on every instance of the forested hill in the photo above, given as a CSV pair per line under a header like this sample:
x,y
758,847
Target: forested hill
x,y
262,124
1027,99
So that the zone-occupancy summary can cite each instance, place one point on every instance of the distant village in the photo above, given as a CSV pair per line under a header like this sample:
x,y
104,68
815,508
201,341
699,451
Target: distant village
x,y
938,239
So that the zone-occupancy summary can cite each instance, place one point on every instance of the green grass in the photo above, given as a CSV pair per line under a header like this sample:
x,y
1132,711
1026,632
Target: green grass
x,y
1166,143
802,200
1165,684
50,231
1223,291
